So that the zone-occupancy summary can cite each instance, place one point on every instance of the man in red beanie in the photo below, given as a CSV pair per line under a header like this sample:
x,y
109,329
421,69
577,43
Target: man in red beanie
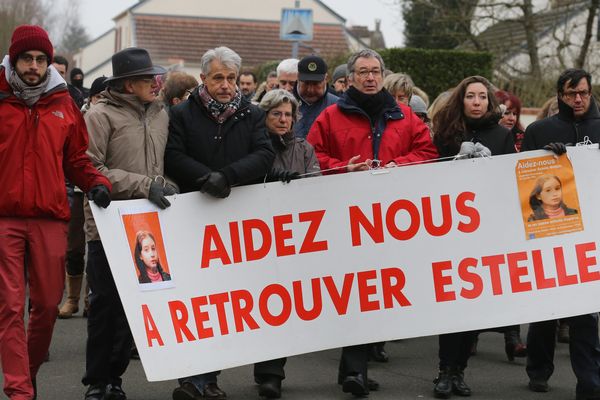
x,y
43,139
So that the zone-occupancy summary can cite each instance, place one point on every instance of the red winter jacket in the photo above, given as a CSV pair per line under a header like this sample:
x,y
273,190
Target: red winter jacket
x,y
39,146
343,131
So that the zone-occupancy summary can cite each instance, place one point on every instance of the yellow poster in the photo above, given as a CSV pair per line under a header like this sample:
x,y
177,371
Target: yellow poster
x,y
548,196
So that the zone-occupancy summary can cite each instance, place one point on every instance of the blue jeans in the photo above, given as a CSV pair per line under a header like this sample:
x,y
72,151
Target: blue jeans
x,y
200,380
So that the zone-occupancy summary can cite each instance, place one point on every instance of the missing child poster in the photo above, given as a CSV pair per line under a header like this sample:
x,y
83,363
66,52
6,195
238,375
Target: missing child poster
x,y
548,196
276,270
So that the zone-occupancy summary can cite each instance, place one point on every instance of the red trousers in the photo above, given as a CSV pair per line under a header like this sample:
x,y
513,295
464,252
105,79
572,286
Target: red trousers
x,y
31,249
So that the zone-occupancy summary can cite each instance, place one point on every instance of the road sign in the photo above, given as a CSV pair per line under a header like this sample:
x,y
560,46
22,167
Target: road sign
x,y
296,24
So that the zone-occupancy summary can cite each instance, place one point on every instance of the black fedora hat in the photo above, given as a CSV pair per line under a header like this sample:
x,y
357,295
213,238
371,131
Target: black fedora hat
x,y
133,61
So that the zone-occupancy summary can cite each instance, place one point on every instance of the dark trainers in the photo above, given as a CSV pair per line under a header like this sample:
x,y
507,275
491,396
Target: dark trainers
x,y
114,392
356,385
95,392
270,387
538,385
187,391
213,392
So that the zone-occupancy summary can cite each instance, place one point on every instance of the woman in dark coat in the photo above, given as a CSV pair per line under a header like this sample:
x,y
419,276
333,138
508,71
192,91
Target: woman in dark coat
x,y
293,156
467,125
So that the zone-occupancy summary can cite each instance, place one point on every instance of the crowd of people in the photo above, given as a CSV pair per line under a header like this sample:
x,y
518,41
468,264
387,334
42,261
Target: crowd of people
x,y
145,132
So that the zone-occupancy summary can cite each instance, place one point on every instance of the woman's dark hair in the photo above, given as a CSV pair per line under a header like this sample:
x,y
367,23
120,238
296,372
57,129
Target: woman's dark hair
x,y
450,123
505,97
534,202
144,278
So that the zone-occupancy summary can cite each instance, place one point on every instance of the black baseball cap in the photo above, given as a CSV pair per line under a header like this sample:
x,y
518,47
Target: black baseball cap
x,y
312,68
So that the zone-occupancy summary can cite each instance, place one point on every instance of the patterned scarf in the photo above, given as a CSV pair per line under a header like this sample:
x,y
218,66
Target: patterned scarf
x,y
28,94
219,111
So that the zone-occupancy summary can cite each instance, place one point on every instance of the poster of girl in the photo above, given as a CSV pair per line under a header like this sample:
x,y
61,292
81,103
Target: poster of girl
x,y
546,199
147,260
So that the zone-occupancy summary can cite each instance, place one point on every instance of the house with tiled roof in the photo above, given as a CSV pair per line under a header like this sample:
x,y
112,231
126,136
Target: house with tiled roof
x,y
178,32
559,28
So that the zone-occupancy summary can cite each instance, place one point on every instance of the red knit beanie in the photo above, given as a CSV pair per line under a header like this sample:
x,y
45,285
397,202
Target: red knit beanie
x,y
29,37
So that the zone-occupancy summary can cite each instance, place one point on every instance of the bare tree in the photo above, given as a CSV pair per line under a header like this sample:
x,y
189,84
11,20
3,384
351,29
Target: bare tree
x,y
59,17
17,12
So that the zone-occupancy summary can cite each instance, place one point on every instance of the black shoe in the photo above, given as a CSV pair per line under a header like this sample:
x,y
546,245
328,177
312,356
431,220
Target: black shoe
x,y
538,385
212,391
443,385
187,391
270,387
95,392
114,392
355,384
459,386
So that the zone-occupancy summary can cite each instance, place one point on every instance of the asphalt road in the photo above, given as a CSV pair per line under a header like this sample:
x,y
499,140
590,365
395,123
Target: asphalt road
x,y
408,374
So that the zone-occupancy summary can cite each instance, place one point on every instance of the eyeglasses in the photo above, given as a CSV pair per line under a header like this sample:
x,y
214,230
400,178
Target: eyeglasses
x,y
364,73
283,82
146,80
279,114
572,95
29,59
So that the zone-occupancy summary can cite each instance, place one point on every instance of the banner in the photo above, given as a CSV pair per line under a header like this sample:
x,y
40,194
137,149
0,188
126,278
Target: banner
x,y
282,269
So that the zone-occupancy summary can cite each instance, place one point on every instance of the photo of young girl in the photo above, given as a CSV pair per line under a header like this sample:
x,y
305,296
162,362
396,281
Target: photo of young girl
x,y
147,260
150,268
546,199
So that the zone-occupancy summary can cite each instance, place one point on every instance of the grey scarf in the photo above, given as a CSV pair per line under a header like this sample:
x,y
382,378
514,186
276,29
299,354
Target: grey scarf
x,y
28,94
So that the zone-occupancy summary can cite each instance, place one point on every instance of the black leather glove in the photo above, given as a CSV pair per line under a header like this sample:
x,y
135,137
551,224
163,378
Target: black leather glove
x,y
556,147
215,184
283,175
157,195
100,195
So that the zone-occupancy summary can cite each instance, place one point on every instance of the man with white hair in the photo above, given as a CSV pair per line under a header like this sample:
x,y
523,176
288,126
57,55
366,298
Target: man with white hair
x,y
217,139
287,74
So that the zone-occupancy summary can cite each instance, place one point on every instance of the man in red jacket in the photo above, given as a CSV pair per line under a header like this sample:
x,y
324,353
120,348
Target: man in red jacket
x,y
43,139
366,128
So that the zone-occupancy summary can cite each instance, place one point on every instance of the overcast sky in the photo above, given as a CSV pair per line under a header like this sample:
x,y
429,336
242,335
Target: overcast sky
x,y
97,15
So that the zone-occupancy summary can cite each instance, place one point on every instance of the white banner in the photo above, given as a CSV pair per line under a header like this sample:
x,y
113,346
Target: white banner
x,y
277,270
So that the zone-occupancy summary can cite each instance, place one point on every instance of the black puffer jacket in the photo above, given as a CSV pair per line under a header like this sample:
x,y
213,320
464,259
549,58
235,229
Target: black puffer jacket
x,y
485,131
563,128
239,148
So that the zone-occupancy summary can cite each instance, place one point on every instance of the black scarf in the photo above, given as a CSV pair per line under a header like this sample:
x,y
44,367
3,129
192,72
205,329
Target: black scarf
x,y
371,104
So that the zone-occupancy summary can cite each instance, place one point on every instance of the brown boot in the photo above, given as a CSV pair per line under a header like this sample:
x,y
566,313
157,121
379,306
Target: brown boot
x,y
71,305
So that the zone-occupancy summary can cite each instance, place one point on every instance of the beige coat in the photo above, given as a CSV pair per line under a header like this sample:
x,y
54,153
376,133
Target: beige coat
x,y
127,144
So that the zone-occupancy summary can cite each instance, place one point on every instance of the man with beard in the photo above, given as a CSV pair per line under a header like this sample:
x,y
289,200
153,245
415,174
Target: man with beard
x,y
364,129
43,139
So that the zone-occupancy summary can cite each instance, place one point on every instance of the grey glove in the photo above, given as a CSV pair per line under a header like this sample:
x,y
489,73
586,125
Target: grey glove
x,y
467,149
157,195
481,151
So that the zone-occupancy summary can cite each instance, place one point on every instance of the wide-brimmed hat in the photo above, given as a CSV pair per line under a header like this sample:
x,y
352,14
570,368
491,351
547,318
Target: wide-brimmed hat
x,y
132,62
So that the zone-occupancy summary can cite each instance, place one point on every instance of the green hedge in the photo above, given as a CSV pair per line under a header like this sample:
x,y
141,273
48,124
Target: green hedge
x,y
435,71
